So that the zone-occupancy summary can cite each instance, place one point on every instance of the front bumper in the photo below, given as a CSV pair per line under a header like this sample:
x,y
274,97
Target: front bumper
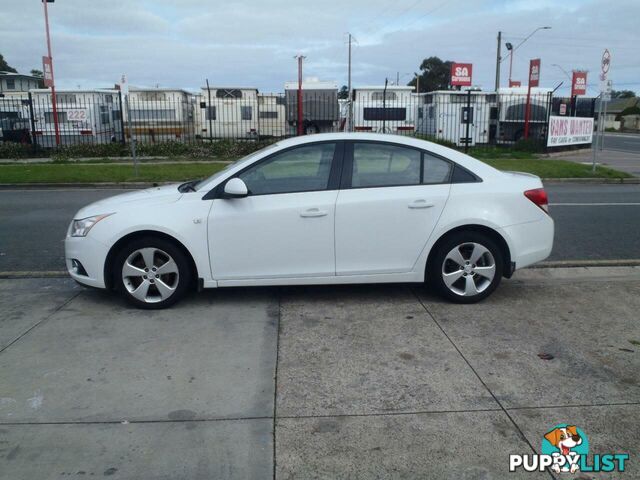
x,y
91,254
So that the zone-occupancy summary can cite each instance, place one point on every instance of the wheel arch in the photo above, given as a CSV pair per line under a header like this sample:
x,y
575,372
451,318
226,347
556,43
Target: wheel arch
x,y
115,248
490,232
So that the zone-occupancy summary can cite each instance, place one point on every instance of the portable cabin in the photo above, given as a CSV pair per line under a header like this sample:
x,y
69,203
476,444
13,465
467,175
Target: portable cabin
x,y
511,109
320,112
442,114
229,112
15,125
272,121
384,110
84,116
160,115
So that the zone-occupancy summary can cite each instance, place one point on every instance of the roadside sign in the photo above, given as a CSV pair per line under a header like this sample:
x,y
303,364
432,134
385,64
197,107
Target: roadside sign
x,y
578,83
461,74
47,70
563,109
605,65
515,83
569,131
534,72
124,85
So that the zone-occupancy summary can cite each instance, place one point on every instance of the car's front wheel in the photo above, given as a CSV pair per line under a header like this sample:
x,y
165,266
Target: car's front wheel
x,y
466,267
152,273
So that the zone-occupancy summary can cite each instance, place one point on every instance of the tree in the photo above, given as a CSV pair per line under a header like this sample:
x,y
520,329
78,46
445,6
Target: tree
x,y
5,67
434,75
343,92
622,94
37,73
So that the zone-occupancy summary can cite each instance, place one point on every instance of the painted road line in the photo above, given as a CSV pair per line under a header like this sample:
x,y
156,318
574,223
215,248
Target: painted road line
x,y
35,274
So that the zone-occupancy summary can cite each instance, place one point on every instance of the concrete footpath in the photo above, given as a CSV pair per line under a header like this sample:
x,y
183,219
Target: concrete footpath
x,y
377,381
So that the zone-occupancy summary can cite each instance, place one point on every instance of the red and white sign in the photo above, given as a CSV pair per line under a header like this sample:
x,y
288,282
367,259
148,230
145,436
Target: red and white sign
x,y
461,74
48,71
515,83
563,109
569,131
579,83
534,72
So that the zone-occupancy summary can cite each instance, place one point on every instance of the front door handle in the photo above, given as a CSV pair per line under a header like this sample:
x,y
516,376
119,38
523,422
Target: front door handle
x,y
313,212
420,204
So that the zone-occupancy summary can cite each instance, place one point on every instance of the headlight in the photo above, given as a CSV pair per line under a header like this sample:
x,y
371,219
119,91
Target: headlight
x,y
80,228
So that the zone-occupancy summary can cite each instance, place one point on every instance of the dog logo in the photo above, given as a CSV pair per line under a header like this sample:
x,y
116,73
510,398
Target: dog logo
x,y
566,441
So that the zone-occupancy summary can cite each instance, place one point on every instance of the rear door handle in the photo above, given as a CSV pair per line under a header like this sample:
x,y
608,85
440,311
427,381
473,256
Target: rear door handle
x,y
313,212
420,204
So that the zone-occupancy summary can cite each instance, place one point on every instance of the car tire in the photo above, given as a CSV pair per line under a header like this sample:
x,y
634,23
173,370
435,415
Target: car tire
x,y
466,267
152,273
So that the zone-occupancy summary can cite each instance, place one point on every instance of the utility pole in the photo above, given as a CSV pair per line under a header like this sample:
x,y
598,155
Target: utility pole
x,y
397,78
498,60
300,129
54,103
350,100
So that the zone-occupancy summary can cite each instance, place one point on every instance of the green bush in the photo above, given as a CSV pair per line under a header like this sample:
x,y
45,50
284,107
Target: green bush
x,y
16,150
529,145
225,149
439,141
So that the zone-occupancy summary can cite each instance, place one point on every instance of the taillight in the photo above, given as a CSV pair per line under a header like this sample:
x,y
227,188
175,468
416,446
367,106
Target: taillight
x,y
539,197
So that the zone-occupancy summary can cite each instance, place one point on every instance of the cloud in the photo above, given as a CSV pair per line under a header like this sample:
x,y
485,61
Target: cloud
x,y
250,42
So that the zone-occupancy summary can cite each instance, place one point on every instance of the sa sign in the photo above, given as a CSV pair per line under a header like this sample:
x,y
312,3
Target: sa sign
x,y
579,83
461,74
534,72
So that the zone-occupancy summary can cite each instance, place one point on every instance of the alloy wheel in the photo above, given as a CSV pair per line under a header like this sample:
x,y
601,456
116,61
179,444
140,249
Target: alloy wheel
x,y
150,275
468,269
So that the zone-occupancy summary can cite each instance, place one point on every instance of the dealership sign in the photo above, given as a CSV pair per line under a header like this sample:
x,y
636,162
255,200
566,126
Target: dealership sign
x,y
579,83
569,131
534,72
47,71
461,74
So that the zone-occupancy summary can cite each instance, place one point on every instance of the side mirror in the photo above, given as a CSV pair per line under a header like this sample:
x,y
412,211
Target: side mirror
x,y
235,188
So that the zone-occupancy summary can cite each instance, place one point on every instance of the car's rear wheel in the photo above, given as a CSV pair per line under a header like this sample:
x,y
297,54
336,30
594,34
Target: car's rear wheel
x,y
152,273
466,267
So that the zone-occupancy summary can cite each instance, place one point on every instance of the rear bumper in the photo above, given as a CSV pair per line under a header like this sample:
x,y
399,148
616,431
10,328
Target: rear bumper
x,y
530,242
91,255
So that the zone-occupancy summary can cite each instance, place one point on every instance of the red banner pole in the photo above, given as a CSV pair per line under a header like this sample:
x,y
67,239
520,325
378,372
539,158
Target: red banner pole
x,y
54,103
526,112
300,111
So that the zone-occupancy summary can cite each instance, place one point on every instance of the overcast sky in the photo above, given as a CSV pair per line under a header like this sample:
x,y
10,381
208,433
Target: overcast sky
x,y
179,43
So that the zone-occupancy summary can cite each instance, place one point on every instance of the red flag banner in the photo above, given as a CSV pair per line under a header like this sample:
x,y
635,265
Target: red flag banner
x,y
48,72
579,83
461,74
534,72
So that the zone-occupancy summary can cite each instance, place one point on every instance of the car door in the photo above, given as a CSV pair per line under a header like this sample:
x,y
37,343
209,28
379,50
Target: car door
x,y
285,226
389,203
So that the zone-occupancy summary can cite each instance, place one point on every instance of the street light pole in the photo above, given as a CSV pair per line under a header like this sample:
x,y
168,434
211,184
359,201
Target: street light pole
x,y
56,125
498,60
512,49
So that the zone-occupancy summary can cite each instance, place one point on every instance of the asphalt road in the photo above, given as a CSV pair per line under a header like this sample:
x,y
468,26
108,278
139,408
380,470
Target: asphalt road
x,y
629,143
593,222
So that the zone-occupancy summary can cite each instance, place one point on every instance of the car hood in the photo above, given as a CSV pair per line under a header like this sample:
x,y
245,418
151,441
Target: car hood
x,y
149,196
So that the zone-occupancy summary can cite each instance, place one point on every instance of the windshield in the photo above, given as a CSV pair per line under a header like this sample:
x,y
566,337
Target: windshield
x,y
241,162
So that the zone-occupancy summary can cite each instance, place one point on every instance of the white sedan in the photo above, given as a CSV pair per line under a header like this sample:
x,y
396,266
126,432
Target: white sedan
x,y
321,209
